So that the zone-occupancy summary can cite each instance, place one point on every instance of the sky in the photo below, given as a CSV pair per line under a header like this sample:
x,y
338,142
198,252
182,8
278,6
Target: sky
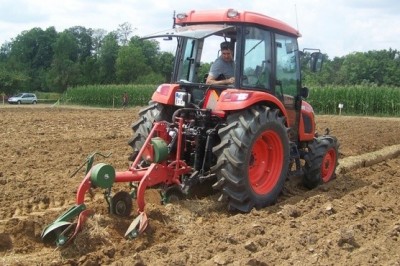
x,y
337,27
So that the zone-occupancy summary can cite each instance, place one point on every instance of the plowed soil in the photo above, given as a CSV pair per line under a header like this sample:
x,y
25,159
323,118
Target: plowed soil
x,y
352,220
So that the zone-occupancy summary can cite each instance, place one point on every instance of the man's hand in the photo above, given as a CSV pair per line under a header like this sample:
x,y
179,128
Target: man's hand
x,y
230,80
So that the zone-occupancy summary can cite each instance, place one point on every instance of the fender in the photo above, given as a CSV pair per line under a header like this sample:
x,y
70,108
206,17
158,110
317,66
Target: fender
x,y
229,100
165,94
235,99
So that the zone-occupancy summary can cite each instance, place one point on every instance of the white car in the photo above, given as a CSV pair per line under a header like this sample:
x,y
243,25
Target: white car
x,y
23,98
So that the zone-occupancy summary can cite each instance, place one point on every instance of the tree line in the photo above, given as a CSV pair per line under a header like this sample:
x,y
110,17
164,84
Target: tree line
x,y
372,68
51,61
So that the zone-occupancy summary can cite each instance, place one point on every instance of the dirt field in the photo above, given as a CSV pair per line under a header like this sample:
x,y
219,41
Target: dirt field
x,y
353,220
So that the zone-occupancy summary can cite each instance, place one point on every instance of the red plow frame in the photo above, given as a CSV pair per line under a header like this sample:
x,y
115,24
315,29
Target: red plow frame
x,y
167,172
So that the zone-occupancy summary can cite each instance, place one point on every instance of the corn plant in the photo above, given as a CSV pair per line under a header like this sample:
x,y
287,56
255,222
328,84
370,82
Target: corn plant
x,y
109,95
356,100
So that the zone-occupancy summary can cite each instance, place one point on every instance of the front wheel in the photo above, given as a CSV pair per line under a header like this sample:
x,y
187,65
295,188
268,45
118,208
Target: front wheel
x,y
253,158
320,161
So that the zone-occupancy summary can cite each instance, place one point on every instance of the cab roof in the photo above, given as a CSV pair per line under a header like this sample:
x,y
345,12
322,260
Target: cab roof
x,y
232,16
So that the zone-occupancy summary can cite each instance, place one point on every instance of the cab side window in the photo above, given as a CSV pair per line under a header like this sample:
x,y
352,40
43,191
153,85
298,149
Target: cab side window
x,y
257,58
287,74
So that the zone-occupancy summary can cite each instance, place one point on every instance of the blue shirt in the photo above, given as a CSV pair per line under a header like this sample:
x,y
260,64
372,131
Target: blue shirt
x,y
222,67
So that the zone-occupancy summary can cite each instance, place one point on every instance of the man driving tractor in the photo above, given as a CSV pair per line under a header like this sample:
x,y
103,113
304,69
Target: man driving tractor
x,y
222,70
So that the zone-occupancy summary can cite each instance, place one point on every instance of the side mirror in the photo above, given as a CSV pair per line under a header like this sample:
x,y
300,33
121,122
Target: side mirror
x,y
316,60
304,92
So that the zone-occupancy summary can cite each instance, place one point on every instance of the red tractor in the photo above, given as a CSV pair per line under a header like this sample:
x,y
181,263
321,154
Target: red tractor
x,y
244,138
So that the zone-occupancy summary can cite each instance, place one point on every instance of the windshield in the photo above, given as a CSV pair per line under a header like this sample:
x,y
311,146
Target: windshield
x,y
198,55
197,47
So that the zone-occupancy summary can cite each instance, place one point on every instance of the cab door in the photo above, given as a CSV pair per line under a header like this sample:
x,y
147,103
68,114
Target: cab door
x,y
287,82
256,59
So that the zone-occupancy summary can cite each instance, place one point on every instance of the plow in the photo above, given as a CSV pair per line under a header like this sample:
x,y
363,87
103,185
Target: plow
x,y
163,167
246,134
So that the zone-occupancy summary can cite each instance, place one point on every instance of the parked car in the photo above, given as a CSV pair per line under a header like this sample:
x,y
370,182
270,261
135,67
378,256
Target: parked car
x,y
23,98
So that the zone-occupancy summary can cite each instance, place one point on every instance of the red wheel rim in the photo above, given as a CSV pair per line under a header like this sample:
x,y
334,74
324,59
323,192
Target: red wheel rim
x,y
328,165
266,162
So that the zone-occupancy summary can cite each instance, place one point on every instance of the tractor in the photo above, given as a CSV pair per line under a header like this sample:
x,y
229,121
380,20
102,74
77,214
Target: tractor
x,y
244,139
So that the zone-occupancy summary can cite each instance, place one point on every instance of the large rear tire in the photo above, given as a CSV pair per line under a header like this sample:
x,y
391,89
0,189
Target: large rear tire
x,y
141,128
253,158
320,161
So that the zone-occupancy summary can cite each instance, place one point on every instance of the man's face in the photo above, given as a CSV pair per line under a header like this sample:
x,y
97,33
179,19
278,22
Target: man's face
x,y
227,55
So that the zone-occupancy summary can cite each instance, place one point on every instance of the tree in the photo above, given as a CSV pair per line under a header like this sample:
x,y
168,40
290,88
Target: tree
x,y
123,32
65,68
31,54
372,67
108,54
165,65
150,50
384,67
131,63
84,42
89,71
5,51
43,60
11,81
97,40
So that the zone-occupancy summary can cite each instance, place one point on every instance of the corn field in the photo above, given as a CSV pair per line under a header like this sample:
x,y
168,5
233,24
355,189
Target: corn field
x,y
108,95
356,100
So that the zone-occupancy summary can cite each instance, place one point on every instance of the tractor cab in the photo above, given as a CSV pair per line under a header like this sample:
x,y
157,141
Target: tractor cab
x,y
266,64
266,58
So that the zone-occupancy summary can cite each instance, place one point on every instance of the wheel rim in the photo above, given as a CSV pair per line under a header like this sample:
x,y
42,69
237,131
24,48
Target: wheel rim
x,y
266,162
328,165
120,208
121,204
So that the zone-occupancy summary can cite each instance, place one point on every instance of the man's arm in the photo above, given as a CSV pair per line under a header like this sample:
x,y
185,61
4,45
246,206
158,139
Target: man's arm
x,y
214,77
211,80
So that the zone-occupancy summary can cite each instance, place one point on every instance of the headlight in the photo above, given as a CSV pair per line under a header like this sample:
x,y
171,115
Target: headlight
x,y
181,16
232,13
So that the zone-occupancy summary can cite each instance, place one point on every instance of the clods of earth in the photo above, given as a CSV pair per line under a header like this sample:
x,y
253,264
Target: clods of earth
x,y
352,220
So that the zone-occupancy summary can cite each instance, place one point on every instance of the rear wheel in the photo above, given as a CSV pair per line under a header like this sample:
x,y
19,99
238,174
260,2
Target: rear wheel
x,y
253,158
153,113
321,161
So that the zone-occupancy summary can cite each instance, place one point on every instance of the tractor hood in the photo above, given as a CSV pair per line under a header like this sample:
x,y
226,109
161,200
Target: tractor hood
x,y
192,31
